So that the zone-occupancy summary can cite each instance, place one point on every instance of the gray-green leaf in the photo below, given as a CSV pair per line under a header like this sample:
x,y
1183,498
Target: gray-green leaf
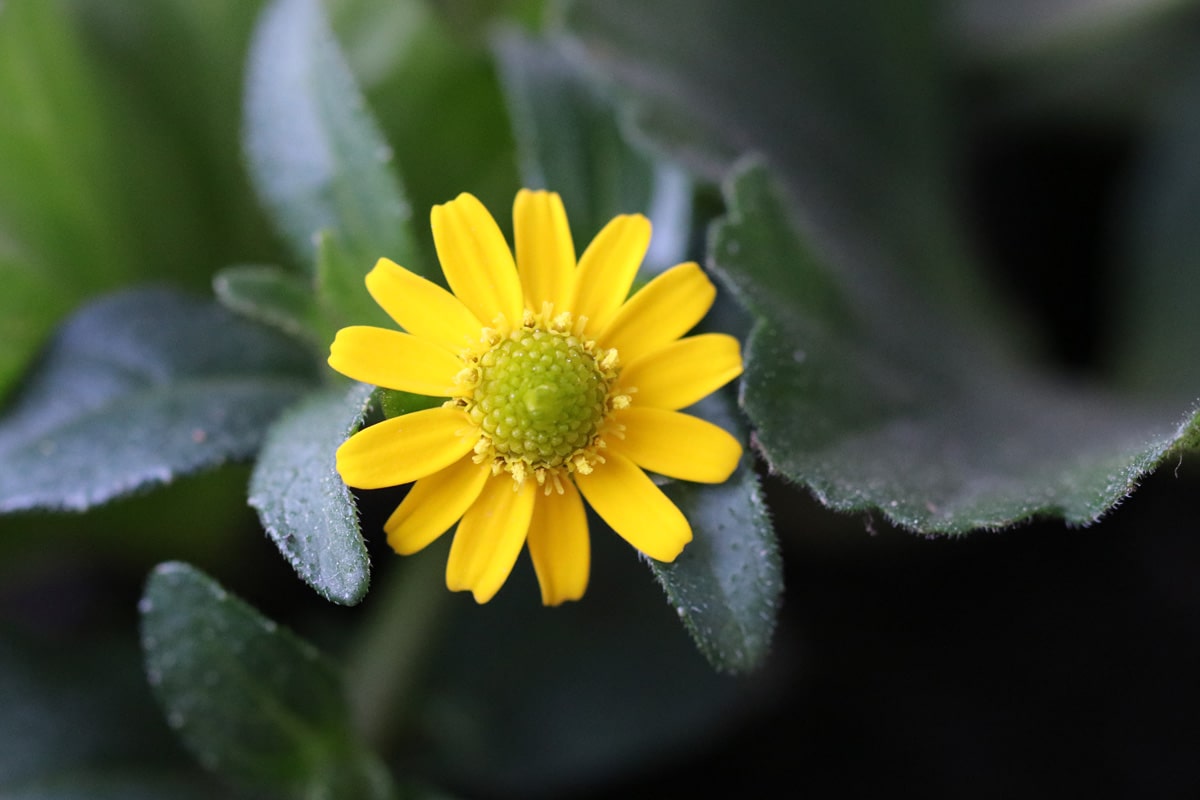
x,y
569,142
947,438
137,389
316,154
252,701
303,504
879,374
727,584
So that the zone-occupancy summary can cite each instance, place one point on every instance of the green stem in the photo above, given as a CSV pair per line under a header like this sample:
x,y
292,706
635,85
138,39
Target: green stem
x,y
386,660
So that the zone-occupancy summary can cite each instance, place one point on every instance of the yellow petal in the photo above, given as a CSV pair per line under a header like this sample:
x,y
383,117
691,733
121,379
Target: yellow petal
x,y
558,545
635,508
684,371
660,312
607,269
476,260
395,360
434,504
676,445
422,307
402,449
490,536
545,252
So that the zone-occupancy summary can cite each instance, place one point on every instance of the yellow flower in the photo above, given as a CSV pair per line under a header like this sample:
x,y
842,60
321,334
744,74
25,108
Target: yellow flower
x,y
558,387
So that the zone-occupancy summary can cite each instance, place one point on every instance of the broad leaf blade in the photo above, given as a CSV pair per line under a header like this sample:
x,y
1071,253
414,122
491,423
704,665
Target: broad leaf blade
x,y
891,386
301,500
251,700
944,440
727,585
137,389
316,155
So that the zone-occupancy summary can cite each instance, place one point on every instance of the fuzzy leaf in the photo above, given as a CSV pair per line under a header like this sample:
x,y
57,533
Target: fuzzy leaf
x,y
948,438
316,154
879,375
727,585
252,701
137,389
302,502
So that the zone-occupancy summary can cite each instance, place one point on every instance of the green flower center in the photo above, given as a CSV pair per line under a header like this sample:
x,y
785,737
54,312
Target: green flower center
x,y
541,398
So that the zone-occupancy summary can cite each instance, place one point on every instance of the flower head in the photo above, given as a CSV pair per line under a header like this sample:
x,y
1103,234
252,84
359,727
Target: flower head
x,y
558,385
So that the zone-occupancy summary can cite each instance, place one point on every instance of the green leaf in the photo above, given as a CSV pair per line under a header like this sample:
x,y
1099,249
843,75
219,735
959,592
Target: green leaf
x,y
274,297
252,701
137,389
860,143
301,500
1023,27
315,153
944,439
568,141
878,373
727,584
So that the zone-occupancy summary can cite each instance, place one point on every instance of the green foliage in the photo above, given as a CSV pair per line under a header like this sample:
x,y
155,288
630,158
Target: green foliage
x,y
895,389
304,506
249,698
138,389
318,159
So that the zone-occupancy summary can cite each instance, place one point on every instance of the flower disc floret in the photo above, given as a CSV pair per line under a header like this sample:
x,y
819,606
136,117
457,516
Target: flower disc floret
x,y
541,398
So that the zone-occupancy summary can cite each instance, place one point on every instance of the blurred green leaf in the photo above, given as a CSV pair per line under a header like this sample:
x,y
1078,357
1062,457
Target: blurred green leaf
x,y
137,389
252,701
273,296
861,144
946,439
568,141
441,106
1158,335
301,500
1019,27
316,154
341,291
891,385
